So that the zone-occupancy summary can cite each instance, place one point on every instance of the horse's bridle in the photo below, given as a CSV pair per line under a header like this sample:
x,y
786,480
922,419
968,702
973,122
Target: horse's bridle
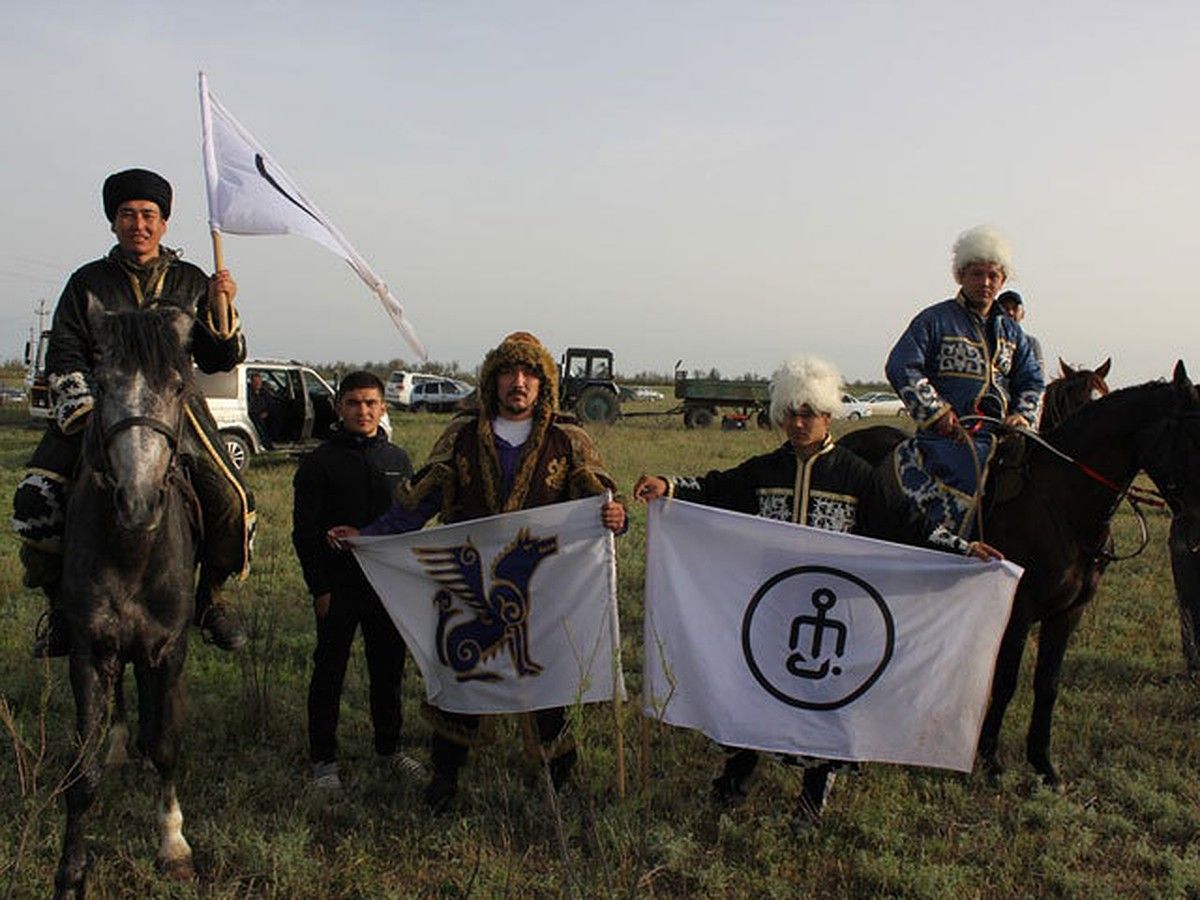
x,y
100,462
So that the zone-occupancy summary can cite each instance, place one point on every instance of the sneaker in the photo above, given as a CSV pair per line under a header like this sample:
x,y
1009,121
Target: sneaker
x,y
440,791
221,628
325,777
51,636
404,765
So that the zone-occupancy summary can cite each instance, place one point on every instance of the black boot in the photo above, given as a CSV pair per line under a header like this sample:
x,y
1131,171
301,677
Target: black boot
x,y
560,768
812,798
447,757
218,624
732,786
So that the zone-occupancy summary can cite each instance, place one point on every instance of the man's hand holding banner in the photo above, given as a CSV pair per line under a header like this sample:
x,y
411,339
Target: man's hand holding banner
x,y
510,613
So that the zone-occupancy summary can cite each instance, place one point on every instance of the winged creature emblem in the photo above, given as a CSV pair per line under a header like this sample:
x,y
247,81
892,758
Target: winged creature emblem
x,y
500,615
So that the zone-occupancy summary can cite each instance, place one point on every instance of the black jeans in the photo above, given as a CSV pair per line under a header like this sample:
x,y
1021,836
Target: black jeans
x,y
385,652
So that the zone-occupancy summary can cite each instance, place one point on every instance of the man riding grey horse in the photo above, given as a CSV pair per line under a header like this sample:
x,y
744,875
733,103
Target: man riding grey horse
x,y
138,273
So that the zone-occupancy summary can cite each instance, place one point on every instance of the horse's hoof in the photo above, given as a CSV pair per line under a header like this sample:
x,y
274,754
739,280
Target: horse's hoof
x,y
177,869
992,768
1051,782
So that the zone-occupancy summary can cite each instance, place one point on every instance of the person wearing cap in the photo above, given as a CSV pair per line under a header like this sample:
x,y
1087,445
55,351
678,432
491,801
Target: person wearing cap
x,y
516,451
965,371
809,480
1014,308
138,273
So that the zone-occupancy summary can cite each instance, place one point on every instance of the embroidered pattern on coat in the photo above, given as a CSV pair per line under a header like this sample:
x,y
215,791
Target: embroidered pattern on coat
x,y
1005,351
832,512
775,503
556,473
960,356
941,504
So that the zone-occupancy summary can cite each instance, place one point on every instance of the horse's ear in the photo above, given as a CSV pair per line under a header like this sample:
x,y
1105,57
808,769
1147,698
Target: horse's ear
x,y
1065,369
1183,384
181,324
1102,369
95,311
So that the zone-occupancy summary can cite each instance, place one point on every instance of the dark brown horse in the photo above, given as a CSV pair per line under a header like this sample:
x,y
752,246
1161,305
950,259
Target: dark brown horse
x,y
1073,389
1057,528
128,578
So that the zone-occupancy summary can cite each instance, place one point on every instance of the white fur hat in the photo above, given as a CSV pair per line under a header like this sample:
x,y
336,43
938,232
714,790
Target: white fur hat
x,y
982,244
805,380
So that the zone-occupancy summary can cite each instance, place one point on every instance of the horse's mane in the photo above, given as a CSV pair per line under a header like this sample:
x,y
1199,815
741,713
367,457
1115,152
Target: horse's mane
x,y
1111,413
145,341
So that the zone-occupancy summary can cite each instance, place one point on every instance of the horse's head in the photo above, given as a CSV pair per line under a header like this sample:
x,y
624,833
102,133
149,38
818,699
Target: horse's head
x,y
1171,454
1073,389
141,381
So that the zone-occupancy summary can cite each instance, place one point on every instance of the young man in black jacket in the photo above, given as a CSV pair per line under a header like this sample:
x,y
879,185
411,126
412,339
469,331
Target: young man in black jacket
x,y
350,478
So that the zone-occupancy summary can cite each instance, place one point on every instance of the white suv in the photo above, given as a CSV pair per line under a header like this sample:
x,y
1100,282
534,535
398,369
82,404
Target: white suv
x,y
398,390
301,407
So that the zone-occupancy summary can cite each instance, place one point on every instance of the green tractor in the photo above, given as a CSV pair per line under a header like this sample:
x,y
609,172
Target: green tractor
x,y
586,386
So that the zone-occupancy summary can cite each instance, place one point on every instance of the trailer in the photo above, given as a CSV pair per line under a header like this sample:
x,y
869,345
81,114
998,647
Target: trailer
x,y
704,398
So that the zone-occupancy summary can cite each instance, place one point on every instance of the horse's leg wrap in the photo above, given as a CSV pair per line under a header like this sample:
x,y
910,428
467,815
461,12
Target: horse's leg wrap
x,y
174,853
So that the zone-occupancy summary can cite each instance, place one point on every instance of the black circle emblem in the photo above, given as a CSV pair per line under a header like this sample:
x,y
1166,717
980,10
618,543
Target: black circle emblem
x,y
817,637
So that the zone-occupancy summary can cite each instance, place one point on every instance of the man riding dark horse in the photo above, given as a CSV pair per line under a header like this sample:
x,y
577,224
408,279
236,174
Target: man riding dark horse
x,y
962,367
137,274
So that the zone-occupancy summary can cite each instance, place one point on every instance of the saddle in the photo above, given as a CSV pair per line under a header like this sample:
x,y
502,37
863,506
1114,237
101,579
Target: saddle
x,y
1008,473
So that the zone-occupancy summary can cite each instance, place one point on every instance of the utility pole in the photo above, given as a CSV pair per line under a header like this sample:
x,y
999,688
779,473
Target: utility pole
x,y
42,311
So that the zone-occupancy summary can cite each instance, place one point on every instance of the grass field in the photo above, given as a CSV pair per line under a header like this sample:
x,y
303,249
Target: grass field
x,y
1125,741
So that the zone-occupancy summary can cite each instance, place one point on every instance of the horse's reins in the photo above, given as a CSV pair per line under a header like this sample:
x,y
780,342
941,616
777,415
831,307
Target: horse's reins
x,y
1136,496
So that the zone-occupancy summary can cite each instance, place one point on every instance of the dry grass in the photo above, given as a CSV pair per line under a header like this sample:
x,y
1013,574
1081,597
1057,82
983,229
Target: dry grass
x,y
1125,739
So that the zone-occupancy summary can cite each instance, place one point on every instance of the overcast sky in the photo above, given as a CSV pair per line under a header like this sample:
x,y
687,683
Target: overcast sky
x,y
727,183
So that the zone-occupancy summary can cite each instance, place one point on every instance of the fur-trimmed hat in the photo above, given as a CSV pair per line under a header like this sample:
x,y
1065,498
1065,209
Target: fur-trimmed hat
x,y
136,184
805,380
519,347
982,244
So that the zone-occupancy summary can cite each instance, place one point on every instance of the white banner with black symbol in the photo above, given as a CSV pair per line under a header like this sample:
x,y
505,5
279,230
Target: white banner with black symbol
x,y
510,613
788,639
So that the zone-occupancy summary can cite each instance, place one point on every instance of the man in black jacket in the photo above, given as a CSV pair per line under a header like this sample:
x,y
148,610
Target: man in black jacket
x,y
138,273
349,479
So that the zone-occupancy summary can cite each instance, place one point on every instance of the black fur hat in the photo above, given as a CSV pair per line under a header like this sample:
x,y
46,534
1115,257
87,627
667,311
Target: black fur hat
x,y
136,184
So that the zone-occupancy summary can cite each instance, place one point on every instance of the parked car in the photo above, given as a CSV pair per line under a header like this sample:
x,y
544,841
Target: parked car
x,y
301,407
398,389
853,408
11,395
884,403
438,395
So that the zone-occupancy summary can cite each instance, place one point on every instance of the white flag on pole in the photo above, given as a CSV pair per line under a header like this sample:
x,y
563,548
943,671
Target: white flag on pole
x,y
249,193
785,638
510,613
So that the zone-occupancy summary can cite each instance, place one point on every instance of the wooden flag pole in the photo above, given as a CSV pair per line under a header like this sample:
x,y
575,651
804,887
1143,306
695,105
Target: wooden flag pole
x,y
220,313
620,745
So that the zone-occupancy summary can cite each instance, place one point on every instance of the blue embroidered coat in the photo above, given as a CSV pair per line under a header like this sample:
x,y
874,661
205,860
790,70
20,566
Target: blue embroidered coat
x,y
950,357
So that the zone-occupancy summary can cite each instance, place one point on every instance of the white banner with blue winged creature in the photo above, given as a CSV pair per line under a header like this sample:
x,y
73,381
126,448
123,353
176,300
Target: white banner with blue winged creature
x,y
784,638
511,613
